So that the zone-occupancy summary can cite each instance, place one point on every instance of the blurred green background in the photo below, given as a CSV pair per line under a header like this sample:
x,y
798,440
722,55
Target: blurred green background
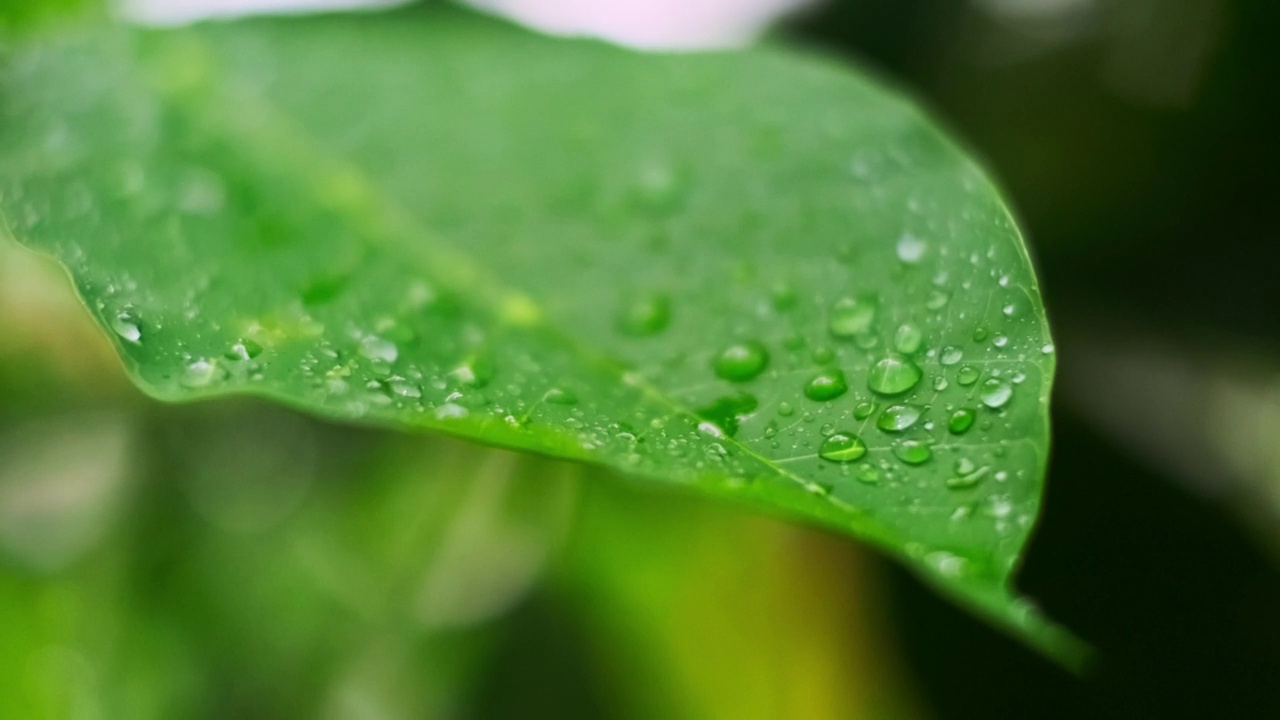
x,y
234,559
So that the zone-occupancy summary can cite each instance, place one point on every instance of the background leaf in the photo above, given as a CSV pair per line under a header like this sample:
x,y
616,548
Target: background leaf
x,y
427,219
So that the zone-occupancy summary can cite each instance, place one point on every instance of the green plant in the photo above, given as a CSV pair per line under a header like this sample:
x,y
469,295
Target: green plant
x,y
429,220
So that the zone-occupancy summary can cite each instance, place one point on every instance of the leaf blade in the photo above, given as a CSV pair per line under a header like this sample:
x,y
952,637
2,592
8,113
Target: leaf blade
x,y
555,259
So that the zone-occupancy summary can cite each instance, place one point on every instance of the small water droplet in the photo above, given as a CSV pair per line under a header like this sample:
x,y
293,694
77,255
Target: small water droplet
x,y
908,338
1005,281
894,375
379,349
851,317
201,374
937,299
826,385
913,452
996,393
863,410
741,361
560,396
645,316
404,388
898,418
244,350
823,355
940,383
961,420
127,327
951,355
967,475
1047,349
981,334
785,409
1009,310
868,474
451,411
842,448
1000,341
783,297
911,248
476,372
967,375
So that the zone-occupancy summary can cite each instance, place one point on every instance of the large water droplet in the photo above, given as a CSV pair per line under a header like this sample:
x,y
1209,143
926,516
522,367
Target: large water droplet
x,y
842,448
894,375
996,393
742,361
967,375
951,355
826,385
913,452
897,418
645,316
851,317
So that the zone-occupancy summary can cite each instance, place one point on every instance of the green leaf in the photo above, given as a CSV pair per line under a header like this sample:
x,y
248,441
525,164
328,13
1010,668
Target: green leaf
x,y
755,273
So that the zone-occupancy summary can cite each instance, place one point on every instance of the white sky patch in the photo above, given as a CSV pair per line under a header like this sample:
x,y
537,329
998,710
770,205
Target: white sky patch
x,y
650,24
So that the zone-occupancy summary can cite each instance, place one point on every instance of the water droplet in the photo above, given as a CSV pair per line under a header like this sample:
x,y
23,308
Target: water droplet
x,y
1047,349
785,409
726,413
379,349
894,375
826,429
863,410
850,317
940,383
244,350
981,334
771,429
908,339
967,375
451,411
996,393
913,452
897,418
961,420
937,300
911,248
967,475
404,388
645,316
476,372
742,361
200,374
560,396
127,327
1005,281
1000,341
823,355
867,474
826,385
1009,310
951,355
842,448
783,297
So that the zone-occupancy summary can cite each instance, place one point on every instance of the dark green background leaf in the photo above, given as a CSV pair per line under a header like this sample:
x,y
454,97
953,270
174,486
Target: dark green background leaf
x,y
705,269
